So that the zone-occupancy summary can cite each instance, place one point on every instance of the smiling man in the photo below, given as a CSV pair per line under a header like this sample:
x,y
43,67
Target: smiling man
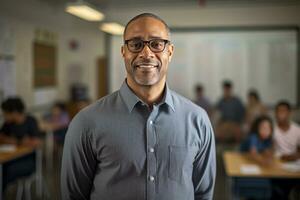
x,y
143,142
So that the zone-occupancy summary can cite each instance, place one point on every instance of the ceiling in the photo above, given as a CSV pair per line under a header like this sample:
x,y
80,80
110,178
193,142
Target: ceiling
x,y
112,4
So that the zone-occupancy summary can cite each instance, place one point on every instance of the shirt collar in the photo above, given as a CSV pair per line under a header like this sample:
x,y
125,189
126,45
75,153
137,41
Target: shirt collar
x,y
131,99
168,97
128,96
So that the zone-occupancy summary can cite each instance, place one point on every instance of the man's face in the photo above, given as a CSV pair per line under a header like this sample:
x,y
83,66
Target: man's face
x,y
147,68
227,91
282,114
9,116
265,129
56,111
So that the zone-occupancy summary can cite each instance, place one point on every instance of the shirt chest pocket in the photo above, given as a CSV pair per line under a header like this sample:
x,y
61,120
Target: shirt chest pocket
x,y
181,160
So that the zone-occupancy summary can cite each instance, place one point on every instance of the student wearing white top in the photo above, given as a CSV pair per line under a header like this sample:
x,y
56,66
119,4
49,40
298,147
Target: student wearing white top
x,y
286,133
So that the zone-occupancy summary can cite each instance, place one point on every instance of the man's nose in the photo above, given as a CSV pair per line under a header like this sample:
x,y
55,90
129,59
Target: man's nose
x,y
146,52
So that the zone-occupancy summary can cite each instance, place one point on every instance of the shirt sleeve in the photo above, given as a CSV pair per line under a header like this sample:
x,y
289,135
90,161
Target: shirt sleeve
x,y
78,162
204,171
253,142
5,129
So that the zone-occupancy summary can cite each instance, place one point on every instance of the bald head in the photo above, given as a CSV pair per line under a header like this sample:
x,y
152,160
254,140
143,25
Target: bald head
x,y
145,15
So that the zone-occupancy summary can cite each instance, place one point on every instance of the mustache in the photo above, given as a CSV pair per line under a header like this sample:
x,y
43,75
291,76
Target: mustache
x,y
146,62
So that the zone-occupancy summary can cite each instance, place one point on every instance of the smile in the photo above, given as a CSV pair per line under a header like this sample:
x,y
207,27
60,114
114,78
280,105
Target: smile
x,y
146,66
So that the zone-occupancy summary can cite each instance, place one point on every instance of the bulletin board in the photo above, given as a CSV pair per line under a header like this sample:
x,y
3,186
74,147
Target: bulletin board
x,y
45,56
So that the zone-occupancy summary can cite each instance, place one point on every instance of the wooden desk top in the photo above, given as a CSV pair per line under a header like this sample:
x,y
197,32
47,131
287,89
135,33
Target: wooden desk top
x,y
234,160
18,152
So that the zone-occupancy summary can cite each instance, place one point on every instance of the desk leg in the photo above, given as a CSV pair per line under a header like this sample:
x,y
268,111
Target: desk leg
x,y
229,189
39,172
1,183
49,149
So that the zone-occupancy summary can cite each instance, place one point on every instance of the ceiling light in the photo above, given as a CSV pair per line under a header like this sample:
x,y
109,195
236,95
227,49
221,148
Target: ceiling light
x,y
112,28
84,10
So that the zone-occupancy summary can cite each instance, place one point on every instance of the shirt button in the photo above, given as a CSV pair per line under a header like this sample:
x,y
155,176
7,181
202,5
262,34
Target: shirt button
x,y
151,150
151,178
151,122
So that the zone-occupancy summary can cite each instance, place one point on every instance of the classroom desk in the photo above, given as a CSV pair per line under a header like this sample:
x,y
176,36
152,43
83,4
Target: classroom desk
x,y
233,161
21,152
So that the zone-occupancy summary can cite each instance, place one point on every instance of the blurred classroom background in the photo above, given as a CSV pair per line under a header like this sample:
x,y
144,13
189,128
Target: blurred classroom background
x,y
237,59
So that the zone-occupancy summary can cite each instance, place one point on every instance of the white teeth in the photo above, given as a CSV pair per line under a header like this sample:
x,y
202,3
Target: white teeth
x,y
146,66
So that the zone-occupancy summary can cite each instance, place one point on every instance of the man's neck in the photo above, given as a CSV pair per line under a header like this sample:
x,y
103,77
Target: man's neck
x,y
284,126
148,94
20,118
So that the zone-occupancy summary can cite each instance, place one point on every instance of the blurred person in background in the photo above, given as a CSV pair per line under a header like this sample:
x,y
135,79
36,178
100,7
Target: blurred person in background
x,y
232,114
254,108
286,134
19,128
57,121
259,146
287,148
259,141
58,118
201,100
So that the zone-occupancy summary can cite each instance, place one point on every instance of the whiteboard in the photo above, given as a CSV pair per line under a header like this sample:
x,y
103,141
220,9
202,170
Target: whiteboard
x,y
265,60
7,61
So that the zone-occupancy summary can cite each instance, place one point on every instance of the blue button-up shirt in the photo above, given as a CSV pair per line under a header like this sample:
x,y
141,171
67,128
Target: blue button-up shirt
x,y
119,149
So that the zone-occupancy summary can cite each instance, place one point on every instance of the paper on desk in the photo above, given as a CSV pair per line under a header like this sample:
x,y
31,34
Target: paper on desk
x,y
291,166
7,148
250,169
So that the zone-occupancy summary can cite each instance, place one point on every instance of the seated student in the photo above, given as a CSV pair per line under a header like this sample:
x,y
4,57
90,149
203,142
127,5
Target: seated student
x,y
286,133
201,100
259,145
232,113
18,128
58,118
259,141
254,109
57,121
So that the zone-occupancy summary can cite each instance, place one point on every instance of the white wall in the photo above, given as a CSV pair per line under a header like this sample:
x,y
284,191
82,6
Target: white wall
x,y
196,16
25,19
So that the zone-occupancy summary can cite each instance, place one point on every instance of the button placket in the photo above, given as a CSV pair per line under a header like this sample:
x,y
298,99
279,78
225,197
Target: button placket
x,y
151,157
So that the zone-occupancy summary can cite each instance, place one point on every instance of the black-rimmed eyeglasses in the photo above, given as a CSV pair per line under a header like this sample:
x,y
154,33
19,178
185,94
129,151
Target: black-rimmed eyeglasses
x,y
155,45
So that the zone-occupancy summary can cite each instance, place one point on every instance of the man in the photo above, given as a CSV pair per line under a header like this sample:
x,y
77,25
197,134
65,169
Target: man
x,y
286,133
143,141
232,115
201,100
18,127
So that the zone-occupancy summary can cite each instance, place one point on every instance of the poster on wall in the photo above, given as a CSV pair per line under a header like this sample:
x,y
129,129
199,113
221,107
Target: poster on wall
x,y
44,65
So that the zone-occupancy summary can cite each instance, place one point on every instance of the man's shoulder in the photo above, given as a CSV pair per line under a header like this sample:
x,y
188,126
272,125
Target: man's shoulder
x,y
99,106
30,119
236,99
294,130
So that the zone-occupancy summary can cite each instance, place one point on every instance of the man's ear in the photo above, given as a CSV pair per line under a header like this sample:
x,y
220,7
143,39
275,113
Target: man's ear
x,y
170,51
123,51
